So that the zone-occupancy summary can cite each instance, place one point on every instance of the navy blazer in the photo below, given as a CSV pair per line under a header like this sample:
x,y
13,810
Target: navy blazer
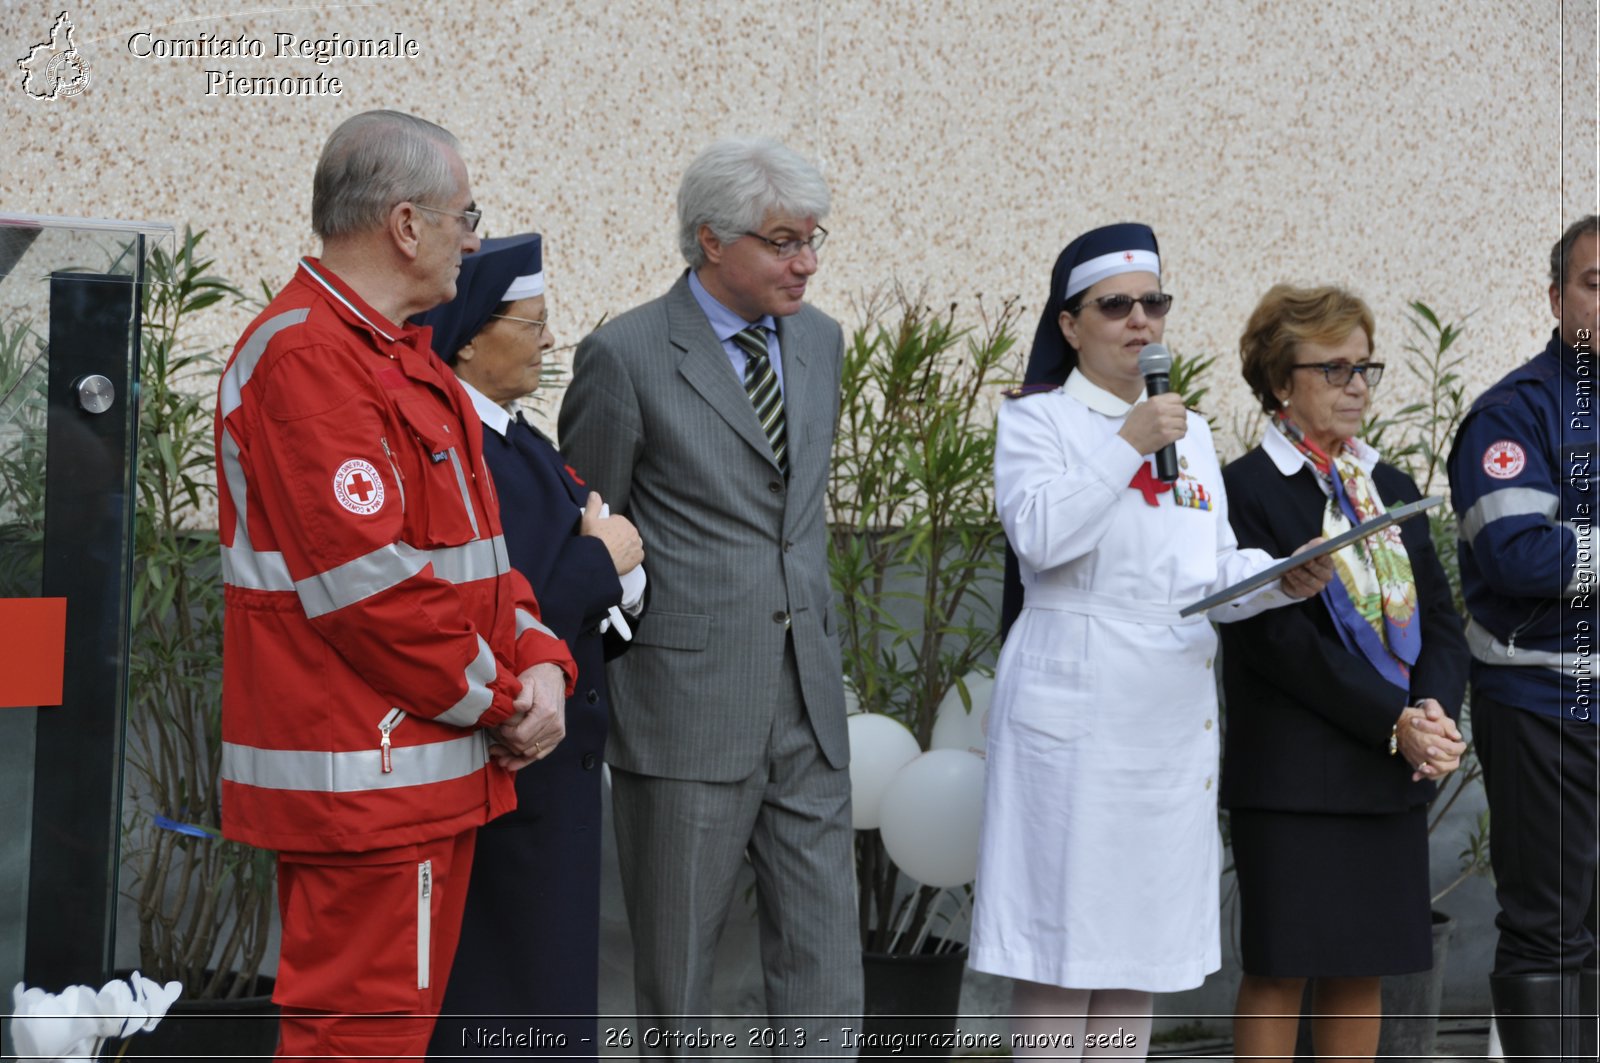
x,y
575,582
544,857
1308,722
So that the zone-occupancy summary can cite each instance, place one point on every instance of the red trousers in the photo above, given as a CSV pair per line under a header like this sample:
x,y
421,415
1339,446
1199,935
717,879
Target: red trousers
x,y
368,939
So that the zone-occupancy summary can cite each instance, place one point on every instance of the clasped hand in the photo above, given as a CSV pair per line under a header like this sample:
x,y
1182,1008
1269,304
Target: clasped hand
x,y
1429,740
539,722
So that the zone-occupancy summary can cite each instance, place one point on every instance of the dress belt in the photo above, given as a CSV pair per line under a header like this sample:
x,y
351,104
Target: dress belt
x,y
1094,603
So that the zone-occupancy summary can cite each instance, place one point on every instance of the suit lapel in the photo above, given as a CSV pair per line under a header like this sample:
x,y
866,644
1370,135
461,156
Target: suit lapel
x,y
704,365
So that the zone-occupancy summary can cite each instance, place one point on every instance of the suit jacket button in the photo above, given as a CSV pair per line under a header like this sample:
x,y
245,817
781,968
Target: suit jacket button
x,y
593,697
589,761
788,544
775,487
780,618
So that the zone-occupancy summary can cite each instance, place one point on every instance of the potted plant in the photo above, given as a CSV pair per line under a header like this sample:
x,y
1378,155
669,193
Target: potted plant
x,y
204,904
916,559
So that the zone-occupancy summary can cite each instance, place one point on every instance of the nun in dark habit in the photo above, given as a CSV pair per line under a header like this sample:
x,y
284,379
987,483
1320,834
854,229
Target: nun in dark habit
x,y
530,938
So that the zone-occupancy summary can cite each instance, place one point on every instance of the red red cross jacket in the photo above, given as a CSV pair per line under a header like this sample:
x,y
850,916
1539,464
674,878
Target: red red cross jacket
x,y
374,626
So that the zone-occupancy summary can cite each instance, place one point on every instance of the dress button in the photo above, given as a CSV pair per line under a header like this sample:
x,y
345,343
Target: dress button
x,y
1208,725
589,761
1208,662
593,697
775,487
1208,782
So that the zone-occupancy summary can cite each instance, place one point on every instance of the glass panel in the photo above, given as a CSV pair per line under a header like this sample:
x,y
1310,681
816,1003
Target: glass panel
x,y
69,313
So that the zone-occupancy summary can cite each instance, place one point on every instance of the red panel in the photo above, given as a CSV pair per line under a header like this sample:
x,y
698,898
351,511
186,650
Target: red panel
x,y
33,644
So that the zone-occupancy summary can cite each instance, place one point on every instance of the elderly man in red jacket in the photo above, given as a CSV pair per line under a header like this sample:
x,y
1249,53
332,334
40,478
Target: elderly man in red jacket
x,y
384,668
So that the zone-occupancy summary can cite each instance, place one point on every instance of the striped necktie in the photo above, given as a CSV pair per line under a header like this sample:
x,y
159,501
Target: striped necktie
x,y
761,383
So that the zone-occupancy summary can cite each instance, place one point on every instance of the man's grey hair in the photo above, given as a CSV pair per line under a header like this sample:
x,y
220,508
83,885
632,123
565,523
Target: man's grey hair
x,y
373,161
1561,253
734,184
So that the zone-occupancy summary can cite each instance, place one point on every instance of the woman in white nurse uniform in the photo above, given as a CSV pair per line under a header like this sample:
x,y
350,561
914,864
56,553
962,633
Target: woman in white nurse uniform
x,y
1099,862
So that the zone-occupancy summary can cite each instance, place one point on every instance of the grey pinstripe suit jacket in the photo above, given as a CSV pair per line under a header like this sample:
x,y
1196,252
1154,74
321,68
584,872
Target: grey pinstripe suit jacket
x,y
657,421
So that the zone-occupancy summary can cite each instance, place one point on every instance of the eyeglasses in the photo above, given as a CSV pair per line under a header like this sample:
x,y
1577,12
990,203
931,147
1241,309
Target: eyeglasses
x,y
791,248
1338,374
536,322
472,216
1117,307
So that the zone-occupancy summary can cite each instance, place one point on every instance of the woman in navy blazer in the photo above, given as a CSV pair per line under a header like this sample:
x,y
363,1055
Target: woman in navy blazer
x,y
530,937
1340,708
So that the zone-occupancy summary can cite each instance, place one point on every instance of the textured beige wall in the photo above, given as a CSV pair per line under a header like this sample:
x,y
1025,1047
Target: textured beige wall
x,y
1409,150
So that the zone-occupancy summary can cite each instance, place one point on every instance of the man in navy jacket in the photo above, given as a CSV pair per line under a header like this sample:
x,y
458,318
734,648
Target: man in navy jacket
x,y
1523,483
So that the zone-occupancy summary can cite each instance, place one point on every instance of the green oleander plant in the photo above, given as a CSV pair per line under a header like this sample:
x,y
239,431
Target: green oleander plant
x,y
916,550
204,903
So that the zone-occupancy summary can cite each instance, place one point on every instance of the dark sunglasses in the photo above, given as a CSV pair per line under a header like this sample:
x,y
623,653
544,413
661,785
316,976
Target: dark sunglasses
x,y
1117,307
1339,373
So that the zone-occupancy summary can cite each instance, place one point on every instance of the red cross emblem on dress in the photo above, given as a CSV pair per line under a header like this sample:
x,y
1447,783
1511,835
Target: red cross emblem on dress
x,y
1504,459
1145,482
358,487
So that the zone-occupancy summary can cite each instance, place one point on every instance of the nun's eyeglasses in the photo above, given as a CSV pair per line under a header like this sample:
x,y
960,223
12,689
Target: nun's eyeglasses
x,y
536,322
791,248
1117,307
1339,373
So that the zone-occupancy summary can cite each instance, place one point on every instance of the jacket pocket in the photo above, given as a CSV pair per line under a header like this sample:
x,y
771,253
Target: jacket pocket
x,y
674,631
439,496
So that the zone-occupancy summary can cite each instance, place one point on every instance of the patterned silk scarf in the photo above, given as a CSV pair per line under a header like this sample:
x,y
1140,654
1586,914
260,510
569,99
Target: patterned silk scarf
x,y
1374,599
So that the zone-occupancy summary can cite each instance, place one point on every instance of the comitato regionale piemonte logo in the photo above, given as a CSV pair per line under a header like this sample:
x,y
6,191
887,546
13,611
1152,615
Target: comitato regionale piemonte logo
x,y
55,68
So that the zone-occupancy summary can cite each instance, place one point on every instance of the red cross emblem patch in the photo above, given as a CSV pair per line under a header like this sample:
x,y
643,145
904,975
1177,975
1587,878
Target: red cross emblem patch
x,y
1504,459
358,487
1127,256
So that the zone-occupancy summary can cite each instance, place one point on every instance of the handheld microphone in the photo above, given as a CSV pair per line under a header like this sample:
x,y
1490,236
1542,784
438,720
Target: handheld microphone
x,y
1155,364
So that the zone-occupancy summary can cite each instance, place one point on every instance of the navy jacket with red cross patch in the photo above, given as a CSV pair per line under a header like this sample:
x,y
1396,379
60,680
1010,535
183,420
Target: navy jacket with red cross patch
x,y
1523,483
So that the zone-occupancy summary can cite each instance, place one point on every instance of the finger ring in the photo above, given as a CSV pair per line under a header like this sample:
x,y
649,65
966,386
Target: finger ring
x,y
536,750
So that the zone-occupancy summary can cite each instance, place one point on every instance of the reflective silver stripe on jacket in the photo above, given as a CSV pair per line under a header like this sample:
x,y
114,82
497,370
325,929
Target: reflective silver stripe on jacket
x,y
479,559
466,496
244,363
476,701
242,564
1490,650
393,564
355,771
527,622
1508,502
359,579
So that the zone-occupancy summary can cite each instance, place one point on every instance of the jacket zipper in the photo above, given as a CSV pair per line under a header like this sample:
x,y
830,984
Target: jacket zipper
x,y
424,919
387,724
399,479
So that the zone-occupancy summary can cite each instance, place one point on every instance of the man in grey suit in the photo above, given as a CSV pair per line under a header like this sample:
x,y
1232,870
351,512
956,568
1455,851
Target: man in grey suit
x,y
707,416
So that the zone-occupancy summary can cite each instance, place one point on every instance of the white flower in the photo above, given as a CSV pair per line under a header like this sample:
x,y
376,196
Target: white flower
x,y
65,1026
69,1026
153,999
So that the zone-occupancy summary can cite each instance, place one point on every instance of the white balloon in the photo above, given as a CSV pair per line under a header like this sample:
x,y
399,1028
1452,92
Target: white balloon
x,y
879,746
930,817
956,728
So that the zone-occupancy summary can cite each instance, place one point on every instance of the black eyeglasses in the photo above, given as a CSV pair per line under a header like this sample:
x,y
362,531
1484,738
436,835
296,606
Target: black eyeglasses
x,y
1117,307
1339,373
791,248
471,216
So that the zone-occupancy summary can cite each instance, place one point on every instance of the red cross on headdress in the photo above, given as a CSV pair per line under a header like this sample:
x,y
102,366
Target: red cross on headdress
x,y
1127,256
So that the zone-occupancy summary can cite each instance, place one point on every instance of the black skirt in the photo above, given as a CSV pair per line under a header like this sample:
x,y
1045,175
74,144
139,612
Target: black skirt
x,y
1332,895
